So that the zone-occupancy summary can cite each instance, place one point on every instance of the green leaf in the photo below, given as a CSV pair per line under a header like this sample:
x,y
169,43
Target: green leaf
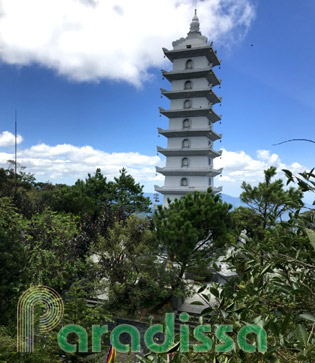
x,y
206,311
265,269
311,236
206,297
288,173
202,288
308,316
285,323
301,334
196,303
214,291
271,350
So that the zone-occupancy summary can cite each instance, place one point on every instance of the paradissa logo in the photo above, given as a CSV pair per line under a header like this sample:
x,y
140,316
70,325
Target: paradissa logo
x,y
201,334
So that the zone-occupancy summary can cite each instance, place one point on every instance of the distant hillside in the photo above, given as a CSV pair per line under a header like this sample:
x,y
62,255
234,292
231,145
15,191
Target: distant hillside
x,y
235,201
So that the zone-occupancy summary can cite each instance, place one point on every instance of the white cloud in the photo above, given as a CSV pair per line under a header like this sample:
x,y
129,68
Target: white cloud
x,y
90,40
66,163
239,166
8,139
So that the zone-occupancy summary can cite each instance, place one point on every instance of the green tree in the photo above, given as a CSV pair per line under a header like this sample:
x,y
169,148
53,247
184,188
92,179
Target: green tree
x,y
278,295
283,304
18,187
192,231
246,219
128,264
270,200
127,195
51,245
95,195
13,267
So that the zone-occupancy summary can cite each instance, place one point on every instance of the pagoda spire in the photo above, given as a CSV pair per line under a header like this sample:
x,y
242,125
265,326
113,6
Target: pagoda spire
x,y
195,25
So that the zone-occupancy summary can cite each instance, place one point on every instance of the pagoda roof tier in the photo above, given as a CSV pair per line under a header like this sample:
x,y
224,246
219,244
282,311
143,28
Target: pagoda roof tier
x,y
191,132
193,52
193,73
189,152
185,190
191,93
191,112
209,171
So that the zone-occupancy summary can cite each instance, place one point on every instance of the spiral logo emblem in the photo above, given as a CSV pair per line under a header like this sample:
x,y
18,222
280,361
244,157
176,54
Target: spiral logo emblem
x,y
53,312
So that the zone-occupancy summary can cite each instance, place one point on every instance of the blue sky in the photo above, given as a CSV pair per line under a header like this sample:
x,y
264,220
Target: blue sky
x,y
84,76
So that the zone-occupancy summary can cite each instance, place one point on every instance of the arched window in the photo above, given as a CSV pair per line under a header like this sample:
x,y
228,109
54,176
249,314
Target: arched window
x,y
210,143
185,162
184,182
188,85
189,64
210,162
210,181
185,144
187,104
186,124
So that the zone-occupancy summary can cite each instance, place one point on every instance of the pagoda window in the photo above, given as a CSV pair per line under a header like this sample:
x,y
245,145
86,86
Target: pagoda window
x,y
189,64
185,162
186,124
187,104
210,162
184,182
210,181
185,144
210,143
188,85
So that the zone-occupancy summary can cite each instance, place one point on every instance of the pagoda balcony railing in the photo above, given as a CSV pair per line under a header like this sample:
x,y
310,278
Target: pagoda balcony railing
x,y
185,190
206,51
193,73
210,134
188,171
191,112
189,152
192,93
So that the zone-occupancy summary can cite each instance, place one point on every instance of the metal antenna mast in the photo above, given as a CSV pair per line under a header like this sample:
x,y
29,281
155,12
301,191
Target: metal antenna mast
x,y
15,144
15,152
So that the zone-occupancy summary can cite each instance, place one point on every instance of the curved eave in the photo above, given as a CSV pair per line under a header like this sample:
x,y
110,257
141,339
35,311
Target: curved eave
x,y
191,112
208,93
183,133
193,52
189,152
189,171
184,190
190,74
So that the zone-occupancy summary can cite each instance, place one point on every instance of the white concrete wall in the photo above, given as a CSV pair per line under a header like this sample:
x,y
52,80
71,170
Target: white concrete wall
x,y
194,162
197,63
198,102
193,181
194,42
197,83
198,142
196,123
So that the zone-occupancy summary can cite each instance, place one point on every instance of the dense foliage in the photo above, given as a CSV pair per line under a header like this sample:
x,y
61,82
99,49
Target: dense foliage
x,y
97,237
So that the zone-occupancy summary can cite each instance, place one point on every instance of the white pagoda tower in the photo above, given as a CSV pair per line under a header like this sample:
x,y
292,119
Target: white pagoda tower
x,y
190,136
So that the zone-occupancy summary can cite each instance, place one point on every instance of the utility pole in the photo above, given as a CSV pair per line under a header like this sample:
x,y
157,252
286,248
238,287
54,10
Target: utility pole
x,y
15,154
